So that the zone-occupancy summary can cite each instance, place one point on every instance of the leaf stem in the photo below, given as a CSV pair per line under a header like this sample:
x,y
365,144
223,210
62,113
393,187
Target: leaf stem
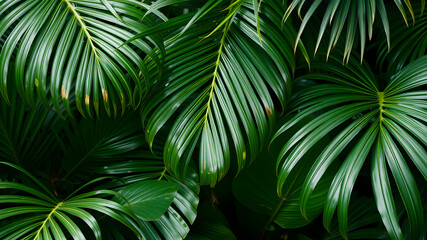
x,y
381,104
220,51
47,219
83,25
271,219
163,174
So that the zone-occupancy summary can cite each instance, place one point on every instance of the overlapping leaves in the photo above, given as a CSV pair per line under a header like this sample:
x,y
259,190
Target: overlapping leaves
x,y
223,87
66,51
407,44
26,134
89,145
36,213
386,126
255,186
176,222
364,223
108,147
348,16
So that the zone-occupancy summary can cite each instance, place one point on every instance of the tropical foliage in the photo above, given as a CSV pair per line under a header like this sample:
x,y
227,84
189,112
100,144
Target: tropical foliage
x,y
119,117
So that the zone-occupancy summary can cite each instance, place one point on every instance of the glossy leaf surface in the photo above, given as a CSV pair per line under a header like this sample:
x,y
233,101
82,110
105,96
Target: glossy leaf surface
x,y
384,124
349,17
40,215
219,93
67,51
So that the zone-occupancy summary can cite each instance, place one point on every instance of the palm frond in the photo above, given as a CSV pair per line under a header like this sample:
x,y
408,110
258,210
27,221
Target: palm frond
x,y
116,148
89,145
364,222
31,213
176,221
68,50
348,16
389,125
255,186
222,81
26,134
407,44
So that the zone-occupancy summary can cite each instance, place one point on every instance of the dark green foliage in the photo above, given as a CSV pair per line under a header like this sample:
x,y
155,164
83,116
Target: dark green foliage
x,y
119,116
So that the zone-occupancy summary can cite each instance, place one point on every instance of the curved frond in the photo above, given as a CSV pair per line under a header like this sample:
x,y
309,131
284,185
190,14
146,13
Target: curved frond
x,y
181,214
255,186
389,125
26,134
407,44
346,17
29,213
89,145
222,81
364,222
176,221
117,148
67,51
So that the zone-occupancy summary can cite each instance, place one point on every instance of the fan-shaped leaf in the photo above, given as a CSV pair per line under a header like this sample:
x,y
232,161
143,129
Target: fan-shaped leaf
x,y
353,105
407,44
115,147
91,144
45,217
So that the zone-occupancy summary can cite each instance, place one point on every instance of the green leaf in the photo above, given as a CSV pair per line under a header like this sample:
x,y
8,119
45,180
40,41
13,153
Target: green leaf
x,y
255,187
89,145
340,14
407,44
44,217
351,104
149,200
116,149
26,134
221,86
383,194
65,53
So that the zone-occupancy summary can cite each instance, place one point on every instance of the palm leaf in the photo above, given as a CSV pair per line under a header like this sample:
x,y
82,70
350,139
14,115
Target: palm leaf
x,y
26,134
176,222
116,147
389,125
407,44
348,16
255,187
66,50
41,215
89,145
364,223
181,214
224,84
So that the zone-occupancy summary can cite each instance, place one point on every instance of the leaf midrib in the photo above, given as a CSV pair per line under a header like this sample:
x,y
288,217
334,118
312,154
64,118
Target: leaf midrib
x,y
218,60
83,26
46,220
